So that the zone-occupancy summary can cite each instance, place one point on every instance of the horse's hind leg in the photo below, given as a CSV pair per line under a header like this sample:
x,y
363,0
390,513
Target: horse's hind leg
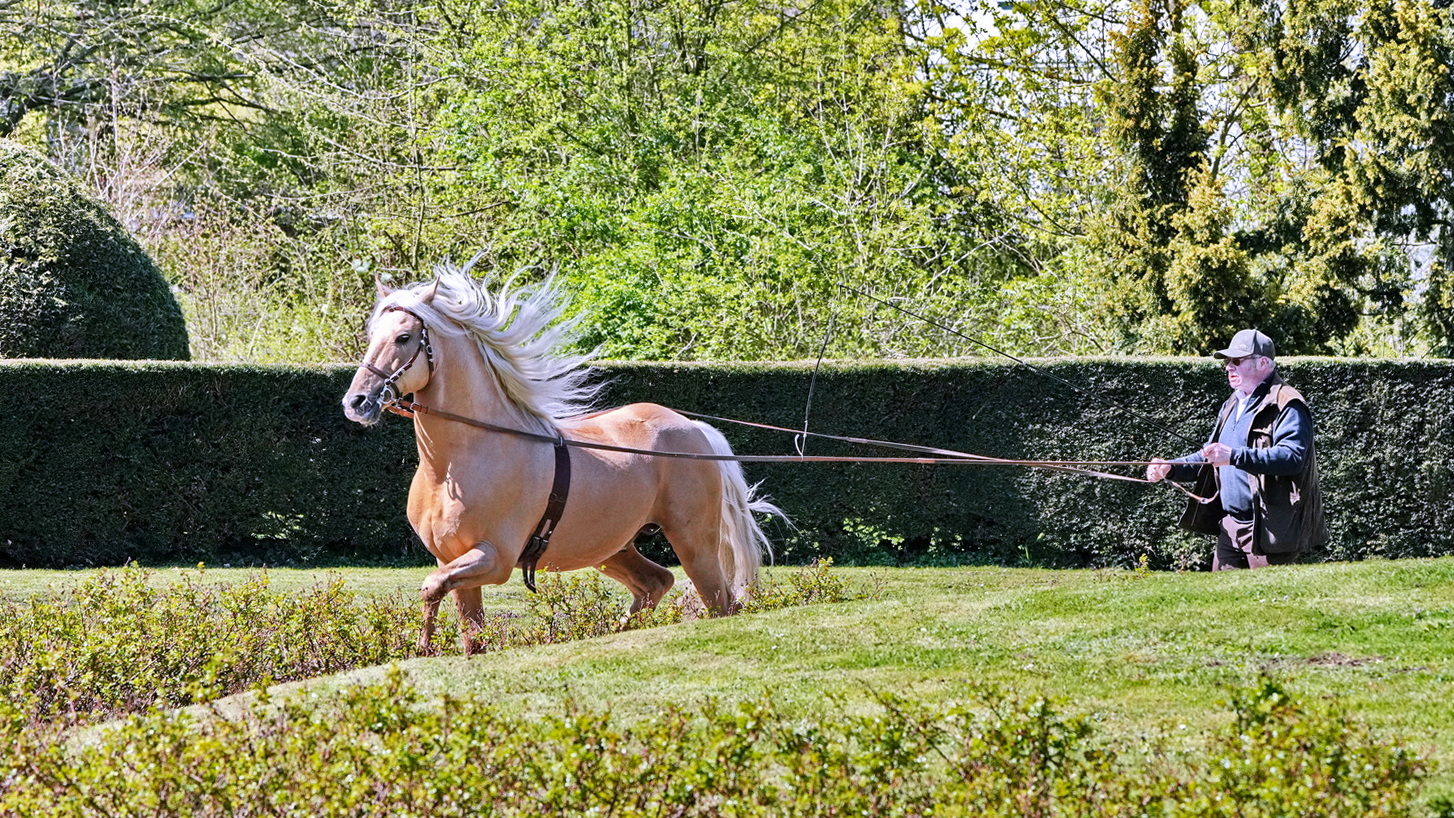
x,y
647,581
696,544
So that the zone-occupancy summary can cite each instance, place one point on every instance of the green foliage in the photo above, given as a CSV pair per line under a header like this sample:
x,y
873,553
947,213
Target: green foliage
x,y
177,463
1068,177
181,463
381,749
809,585
1179,278
1409,114
1370,417
73,284
1271,180
76,64
585,605
728,166
122,642
1305,760
1018,138
128,641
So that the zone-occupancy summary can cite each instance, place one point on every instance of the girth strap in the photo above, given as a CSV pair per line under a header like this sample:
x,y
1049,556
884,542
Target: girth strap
x,y
559,490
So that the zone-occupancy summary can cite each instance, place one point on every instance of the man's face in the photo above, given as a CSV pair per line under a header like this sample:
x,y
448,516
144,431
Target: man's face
x,y
1246,374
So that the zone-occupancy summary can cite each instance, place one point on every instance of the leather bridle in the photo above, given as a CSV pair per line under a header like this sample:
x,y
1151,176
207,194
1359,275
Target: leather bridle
x,y
388,395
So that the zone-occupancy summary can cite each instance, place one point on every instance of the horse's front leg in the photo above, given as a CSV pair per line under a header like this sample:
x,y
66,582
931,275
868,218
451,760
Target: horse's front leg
x,y
430,615
426,635
471,618
481,565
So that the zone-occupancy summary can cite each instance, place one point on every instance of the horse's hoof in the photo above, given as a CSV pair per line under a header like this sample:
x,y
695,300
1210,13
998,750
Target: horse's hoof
x,y
690,603
433,589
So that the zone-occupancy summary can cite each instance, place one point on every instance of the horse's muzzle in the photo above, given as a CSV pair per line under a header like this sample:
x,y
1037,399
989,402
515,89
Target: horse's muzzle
x,y
360,408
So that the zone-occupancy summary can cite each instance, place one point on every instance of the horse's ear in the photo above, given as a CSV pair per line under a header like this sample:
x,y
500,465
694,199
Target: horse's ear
x,y
428,297
383,289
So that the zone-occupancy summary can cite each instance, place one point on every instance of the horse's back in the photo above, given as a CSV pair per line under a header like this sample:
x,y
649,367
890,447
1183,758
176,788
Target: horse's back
x,y
645,426
614,494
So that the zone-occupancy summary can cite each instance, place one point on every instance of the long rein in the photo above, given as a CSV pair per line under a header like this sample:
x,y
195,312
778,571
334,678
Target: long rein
x,y
933,456
396,403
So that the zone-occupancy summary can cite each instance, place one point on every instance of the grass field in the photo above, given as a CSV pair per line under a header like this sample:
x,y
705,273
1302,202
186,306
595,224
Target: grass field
x,y
1140,652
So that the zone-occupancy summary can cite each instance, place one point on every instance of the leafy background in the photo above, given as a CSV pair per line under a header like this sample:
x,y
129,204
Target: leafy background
x,y
1060,177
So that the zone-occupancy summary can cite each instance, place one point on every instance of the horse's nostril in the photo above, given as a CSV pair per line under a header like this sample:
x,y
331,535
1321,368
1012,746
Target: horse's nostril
x,y
358,401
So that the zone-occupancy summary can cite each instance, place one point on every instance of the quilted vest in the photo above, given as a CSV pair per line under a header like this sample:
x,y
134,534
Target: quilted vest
x,y
1287,510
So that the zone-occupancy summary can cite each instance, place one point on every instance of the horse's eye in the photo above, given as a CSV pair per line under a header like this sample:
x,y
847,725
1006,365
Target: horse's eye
x,y
402,339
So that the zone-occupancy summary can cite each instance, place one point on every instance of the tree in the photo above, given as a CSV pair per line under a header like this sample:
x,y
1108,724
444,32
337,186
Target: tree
x,y
1016,130
195,122
1312,162
705,174
173,58
1402,168
1179,277
1049,176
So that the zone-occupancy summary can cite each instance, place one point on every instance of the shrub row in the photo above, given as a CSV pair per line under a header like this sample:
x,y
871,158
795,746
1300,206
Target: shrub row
x,y
175,463
123,642
381,750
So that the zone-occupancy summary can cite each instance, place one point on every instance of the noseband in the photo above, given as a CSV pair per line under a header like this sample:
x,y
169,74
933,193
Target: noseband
x,y
387,394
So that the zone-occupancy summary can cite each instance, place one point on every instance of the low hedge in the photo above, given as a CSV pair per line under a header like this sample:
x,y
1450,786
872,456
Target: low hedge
x,y
384,749
172,462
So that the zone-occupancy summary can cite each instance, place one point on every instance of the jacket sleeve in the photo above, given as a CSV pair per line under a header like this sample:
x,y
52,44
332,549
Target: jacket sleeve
x,y
1292,437
1185,469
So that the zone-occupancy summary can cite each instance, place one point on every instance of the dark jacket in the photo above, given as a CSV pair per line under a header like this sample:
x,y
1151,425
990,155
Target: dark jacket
x,y
1287,509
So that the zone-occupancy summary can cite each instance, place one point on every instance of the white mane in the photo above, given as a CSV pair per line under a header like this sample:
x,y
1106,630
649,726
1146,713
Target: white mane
x,y
518,330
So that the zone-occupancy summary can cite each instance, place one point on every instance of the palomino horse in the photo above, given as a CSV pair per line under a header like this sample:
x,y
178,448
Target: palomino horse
x,y
487,364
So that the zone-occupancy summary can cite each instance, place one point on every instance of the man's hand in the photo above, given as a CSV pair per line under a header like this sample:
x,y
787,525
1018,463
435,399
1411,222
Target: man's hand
x,y
1218,454
1157,471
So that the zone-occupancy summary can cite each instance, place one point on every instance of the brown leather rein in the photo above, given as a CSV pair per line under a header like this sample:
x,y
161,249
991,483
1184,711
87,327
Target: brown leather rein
x,y
935,456
395,403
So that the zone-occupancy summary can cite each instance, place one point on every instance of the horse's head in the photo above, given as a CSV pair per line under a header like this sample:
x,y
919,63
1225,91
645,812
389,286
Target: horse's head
x,y
399,361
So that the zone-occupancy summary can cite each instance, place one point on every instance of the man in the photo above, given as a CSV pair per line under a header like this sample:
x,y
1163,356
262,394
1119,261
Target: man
x,y
1257,477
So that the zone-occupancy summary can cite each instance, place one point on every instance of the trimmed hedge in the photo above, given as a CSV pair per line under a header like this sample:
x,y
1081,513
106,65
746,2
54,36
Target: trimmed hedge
x,y
73,283
170,462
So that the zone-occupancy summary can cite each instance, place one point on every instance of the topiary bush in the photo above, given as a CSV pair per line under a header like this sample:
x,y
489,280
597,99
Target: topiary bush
x,y
73,284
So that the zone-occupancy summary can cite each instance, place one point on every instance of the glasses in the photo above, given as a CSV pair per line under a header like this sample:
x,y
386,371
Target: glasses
x,y
1239,361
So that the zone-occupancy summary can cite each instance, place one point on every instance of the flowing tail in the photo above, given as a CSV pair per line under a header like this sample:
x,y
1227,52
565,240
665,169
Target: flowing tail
x,y
744,543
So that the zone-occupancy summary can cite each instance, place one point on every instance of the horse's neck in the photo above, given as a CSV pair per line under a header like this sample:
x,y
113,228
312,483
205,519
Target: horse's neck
x,y
463,384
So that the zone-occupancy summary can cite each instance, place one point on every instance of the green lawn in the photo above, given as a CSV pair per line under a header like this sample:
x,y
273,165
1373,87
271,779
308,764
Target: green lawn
x,y
1140,652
